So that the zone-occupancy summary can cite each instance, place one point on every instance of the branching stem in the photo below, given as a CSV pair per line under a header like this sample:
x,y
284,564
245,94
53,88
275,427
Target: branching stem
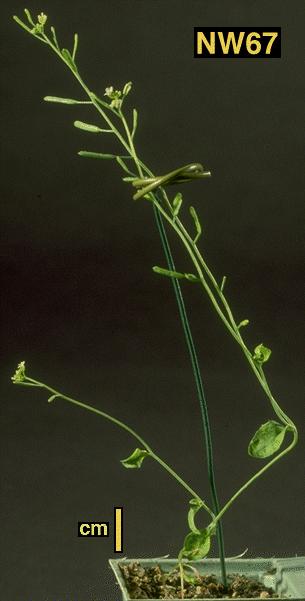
x,y
164,208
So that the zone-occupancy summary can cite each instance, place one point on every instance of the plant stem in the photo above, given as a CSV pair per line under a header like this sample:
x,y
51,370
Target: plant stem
x,y
209,283
193,357
200,391
176,224
55,393
258,474
200,264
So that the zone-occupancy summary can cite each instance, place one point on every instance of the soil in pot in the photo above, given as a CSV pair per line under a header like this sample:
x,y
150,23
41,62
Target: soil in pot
x,y
152,583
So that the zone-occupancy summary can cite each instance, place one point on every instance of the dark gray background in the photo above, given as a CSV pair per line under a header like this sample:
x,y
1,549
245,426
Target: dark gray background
x,y
82,307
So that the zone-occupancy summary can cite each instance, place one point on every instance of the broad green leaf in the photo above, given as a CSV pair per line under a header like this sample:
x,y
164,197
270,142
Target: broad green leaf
x,y
69,60
96,155
197,544
135,460
261,354
267,440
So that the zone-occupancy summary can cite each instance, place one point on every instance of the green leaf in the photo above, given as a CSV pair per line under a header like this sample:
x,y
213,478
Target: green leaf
x,y
197,544
261,354
96,155
69,60
92,128
135,460
267,440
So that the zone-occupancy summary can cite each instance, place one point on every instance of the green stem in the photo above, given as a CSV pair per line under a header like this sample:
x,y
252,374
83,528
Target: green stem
x,y
55,393
201,267
188,242
279,412
200,391
131,145
258,474
199,262
193,356
94,99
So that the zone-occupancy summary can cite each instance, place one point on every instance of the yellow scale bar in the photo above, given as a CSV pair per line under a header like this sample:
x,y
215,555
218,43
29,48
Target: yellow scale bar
x,y
118,529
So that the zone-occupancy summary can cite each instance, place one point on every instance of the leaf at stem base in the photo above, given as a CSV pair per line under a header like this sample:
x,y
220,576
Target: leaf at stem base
x,y
197,544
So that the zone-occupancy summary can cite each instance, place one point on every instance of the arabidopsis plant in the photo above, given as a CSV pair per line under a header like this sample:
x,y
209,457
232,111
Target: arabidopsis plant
x,y
269,437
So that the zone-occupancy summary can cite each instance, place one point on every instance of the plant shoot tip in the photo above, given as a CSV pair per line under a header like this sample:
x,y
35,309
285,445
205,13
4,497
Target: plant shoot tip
x,y
19,375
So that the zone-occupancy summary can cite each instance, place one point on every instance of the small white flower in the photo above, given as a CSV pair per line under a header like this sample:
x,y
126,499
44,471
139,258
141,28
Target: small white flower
x,y
109,91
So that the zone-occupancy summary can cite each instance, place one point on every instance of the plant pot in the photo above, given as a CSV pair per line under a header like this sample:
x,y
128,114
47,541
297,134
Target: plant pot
x,y
284,576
